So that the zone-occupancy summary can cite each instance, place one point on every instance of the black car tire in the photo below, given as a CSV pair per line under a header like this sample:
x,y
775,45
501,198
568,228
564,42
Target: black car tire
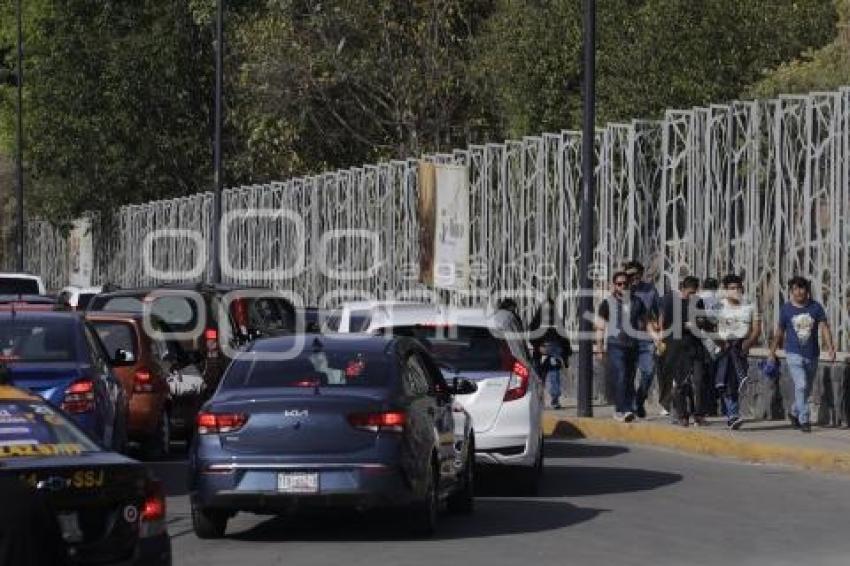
x,y
424,513
462,502
158,445
208,523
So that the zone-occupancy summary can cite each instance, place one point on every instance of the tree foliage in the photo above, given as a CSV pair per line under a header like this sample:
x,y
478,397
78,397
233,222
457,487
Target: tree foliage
x,y
119,94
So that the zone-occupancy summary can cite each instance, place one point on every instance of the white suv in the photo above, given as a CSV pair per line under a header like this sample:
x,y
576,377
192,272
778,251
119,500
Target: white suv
x,y
484,347
21,284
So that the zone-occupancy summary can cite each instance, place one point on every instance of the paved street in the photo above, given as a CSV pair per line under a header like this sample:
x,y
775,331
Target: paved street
x,y
601,504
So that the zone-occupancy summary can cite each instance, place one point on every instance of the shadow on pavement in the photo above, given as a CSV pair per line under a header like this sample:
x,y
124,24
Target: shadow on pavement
x,y
578,481
493,517
582,450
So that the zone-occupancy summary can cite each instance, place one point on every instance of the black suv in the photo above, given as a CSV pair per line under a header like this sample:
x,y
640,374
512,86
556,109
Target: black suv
x,y
209,322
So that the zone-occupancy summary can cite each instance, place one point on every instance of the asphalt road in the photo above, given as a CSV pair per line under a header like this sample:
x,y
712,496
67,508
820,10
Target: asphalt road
x,y
600,504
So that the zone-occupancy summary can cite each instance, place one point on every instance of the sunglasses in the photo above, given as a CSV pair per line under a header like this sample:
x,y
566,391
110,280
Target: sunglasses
x,y
620,283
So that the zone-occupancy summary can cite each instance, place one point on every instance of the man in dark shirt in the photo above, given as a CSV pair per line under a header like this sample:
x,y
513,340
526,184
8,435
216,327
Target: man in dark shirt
x,y
648,295
684,359
621,321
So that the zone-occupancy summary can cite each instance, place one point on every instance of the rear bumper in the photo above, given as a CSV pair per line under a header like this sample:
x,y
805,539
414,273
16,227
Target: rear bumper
x,y
254,487
505,450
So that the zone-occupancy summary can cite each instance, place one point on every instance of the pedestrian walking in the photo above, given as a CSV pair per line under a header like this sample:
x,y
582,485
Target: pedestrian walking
x,y
648,295
551,348
621,317
711,301
800,319
738,329
684,357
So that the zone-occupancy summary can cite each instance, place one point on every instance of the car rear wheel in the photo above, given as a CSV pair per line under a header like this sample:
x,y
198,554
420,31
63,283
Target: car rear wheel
x,y
462,502
424,514
158,445
208,523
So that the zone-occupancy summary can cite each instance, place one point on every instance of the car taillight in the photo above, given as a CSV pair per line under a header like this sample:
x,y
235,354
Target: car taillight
x,y
142,382
153,511
79,397
518,384
389,421
211,339
220,423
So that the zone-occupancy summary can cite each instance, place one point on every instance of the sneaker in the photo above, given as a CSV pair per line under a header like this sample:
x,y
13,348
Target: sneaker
x,y
557,406
795,422
641,413
620,417
684,422
805,427
700,421
736,423
664,412
629,417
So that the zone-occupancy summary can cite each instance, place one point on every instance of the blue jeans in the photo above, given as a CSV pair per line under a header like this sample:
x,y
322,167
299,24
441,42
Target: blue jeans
x,y
802,372
553,385
730,401
622,362
646,365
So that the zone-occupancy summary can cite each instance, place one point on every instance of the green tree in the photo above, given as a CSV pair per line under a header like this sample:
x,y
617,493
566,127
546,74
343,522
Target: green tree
x,y
652,54
117,104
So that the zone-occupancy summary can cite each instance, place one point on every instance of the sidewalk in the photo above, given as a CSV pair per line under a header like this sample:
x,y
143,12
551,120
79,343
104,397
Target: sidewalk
x,y
775,442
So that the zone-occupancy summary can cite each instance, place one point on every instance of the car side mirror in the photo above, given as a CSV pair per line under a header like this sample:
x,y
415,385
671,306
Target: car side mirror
x,y
123,357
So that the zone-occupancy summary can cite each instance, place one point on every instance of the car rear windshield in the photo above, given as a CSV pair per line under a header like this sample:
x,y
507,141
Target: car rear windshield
x,y
18,286
27,340
313,369
117,336
178,312
267,315
36,430
84,299
465,348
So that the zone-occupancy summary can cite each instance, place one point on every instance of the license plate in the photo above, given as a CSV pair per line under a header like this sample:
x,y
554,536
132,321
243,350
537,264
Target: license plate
x,y
298,482
69,523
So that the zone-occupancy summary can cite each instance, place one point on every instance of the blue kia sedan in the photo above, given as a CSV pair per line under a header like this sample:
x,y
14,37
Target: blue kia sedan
x,y
347,422
59,356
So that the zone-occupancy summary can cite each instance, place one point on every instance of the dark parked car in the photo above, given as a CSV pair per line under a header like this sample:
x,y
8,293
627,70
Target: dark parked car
x,y
212,326
348,422
59,356
109,510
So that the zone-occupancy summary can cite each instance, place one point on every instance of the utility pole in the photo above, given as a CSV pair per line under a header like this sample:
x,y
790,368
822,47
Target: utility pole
x,y
588,194
19,138
215,276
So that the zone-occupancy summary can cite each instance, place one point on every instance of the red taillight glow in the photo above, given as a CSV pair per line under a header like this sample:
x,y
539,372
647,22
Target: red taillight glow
x,y
389,421
143,382
211,339
154,506
518,384
79,397
220,423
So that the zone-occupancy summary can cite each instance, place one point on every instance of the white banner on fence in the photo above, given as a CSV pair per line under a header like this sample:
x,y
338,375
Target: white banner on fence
x,y
451,234
80,254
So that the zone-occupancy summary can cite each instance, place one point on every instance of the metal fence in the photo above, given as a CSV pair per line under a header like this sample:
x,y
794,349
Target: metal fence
x,y
759,188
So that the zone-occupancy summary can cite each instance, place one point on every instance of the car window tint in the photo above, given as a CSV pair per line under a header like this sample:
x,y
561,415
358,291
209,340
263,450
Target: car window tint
x,y
311,369
95,347
16,286
83,300
36,430
37,340
332,323
359,321
119,304
178,312
465,348
117,336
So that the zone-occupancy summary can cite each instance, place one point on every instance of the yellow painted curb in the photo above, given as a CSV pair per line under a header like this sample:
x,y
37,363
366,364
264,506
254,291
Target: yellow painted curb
x,y
697,442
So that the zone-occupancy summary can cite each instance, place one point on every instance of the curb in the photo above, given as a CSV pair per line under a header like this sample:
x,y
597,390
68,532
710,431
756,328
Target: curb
x,y
695,442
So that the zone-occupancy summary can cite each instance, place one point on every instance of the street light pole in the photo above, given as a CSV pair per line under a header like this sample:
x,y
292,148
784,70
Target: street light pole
x,y
19,154
216,219
585,358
